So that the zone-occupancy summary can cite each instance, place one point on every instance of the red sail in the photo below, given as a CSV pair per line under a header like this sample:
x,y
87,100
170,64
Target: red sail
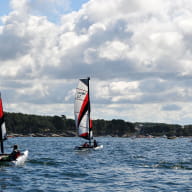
x,y
3,134
1,109
84,109
85,135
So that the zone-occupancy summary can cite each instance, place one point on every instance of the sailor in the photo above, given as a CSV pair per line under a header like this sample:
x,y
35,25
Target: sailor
x,y
94,143
15,153
85,145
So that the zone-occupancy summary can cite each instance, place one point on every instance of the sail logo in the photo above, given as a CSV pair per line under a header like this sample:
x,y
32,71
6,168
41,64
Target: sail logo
x,y
80,94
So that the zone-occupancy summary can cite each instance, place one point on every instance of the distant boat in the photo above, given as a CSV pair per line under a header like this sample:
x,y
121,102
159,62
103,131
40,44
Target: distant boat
x,y
171,137
82,110
5,158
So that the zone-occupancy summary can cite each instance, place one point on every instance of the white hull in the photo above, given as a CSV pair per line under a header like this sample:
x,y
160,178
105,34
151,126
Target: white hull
x,y
98,147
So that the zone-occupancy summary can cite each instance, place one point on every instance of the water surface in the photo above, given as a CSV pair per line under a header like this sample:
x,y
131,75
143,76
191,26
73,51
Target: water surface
x,y
124,164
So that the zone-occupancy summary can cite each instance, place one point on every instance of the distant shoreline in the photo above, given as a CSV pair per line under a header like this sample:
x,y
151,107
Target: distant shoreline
x,y
18,124
74,135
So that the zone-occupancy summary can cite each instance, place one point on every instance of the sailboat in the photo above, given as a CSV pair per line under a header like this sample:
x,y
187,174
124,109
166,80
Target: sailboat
x,y
82,111
7,158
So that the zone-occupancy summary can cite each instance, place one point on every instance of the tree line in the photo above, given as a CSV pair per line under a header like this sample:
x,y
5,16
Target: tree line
x,y
25,124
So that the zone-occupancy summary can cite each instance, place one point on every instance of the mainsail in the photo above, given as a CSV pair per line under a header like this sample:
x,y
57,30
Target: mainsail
x,y
82,110
3,134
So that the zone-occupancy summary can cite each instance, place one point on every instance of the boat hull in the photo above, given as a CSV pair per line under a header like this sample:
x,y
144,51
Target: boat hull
x,y
81,148
98,147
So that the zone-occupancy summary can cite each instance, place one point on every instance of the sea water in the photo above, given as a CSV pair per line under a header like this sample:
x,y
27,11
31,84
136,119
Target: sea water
x,y
124,164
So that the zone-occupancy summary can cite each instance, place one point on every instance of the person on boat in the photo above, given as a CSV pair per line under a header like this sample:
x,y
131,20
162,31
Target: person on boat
x,y
15,153
95,143
85,145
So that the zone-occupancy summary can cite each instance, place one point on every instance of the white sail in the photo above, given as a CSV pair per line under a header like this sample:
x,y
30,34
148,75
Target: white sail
x,y
82,109
3,132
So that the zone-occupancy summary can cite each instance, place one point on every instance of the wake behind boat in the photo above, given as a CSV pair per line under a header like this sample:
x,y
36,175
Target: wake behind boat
x,y
16,157
82,112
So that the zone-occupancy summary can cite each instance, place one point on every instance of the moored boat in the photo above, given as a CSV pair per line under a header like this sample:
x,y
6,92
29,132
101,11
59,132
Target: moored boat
x,y
171,137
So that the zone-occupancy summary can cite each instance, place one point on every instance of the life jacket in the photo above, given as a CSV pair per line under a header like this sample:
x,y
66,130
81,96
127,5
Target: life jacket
x,y
17,154
85,145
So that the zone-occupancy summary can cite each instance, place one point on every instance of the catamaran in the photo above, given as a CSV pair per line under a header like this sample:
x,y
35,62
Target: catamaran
x,y
7,158
82,111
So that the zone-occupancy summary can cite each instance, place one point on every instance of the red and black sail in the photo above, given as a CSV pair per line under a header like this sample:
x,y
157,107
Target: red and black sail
x,y
3,135
82,109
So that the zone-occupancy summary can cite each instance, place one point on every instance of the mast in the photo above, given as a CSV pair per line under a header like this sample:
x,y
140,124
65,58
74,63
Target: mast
x,y
2,147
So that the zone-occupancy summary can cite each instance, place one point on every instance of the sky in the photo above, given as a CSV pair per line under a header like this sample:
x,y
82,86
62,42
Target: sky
x,y
137,53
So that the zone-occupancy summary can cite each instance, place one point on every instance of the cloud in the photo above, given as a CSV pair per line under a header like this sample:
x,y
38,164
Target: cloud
x,y
137,53
12,46
172,107
52,9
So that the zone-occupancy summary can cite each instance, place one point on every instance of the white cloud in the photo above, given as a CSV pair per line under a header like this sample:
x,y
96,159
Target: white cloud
x,y
114,50
137,53
19,5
